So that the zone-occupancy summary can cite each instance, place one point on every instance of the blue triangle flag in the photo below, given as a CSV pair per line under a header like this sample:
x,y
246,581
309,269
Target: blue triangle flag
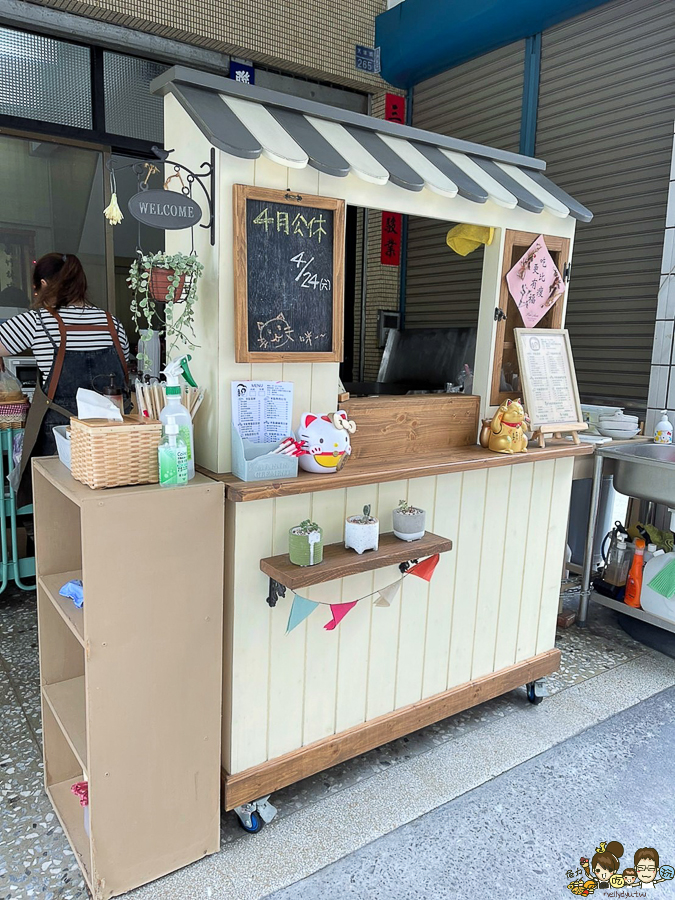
x,y
299,611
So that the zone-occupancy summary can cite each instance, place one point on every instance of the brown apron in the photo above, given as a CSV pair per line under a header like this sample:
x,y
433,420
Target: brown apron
x,y
43,402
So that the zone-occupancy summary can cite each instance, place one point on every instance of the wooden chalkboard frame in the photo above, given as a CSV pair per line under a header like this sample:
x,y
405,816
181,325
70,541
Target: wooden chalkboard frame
x,y
242,193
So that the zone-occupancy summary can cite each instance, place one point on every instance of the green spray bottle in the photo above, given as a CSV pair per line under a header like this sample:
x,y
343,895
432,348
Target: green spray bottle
x,y
172,455
175,408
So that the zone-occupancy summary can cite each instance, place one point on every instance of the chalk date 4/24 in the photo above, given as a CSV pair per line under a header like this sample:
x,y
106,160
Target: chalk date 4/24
x,y
307,278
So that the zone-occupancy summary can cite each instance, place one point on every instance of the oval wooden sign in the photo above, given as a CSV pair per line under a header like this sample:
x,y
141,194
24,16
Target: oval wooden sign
x,y
165,209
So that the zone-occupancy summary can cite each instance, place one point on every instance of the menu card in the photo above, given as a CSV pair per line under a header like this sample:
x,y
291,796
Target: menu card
x,y
262,410
548,378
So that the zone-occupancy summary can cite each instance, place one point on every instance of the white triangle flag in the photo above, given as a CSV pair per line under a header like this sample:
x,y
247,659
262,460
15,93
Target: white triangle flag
x,y
387,594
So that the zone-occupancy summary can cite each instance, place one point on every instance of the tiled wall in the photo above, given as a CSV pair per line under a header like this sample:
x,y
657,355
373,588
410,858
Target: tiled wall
x,y
662,379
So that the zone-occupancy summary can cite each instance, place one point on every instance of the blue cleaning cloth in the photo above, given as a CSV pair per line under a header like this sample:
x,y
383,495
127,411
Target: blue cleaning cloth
x,y
73,589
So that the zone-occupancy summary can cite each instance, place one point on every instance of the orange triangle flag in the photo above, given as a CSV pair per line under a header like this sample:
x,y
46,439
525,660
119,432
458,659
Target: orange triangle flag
x,y
339,611
425,569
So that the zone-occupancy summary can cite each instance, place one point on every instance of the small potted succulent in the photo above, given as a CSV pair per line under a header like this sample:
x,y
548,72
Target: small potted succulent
x,y
408,522
305,544
169,279
362,532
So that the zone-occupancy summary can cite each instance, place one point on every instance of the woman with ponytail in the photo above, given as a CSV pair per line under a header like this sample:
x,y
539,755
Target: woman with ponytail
x,y
73,343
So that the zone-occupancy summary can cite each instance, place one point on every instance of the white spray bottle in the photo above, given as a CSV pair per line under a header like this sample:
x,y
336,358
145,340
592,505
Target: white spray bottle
x,y
174,408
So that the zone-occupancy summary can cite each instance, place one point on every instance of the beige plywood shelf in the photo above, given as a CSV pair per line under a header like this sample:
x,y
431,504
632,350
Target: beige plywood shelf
x,y
71,615
66,700
338,562
71,816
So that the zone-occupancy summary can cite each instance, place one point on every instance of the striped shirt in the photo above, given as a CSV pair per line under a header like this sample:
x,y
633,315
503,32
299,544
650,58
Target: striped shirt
x,y
26,332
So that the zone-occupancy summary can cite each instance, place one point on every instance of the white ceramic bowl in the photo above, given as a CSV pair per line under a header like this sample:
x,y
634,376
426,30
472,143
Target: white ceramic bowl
x,y
619,426
617,435
618,419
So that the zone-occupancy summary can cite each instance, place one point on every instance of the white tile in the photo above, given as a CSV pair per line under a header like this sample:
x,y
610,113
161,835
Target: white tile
x,y
663,342
671,391
653,416
670,210
668,259
658,386
672,359
665,308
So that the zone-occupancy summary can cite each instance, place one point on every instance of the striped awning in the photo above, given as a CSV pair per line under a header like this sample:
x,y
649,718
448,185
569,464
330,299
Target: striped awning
x,y
250,122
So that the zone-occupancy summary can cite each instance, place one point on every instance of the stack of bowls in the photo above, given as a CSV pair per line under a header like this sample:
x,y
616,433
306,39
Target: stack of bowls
x,y
618,426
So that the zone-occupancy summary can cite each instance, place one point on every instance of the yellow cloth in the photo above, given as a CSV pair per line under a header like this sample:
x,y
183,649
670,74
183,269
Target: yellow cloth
x,y
464,239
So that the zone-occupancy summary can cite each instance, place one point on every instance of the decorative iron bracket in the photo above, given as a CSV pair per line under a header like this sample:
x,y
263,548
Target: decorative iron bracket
x,y
276,590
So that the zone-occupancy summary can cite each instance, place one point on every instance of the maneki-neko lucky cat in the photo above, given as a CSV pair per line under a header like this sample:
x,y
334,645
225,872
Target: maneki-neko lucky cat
x,y
506,433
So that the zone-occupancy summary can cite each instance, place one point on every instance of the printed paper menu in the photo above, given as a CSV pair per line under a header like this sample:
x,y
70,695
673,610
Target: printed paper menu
x,y
548,380
262,410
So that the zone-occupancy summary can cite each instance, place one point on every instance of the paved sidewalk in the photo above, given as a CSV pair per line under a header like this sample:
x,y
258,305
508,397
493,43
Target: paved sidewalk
x,y
517,835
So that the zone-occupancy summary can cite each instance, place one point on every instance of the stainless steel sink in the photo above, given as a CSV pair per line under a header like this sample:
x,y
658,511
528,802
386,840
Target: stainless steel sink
x,y
645,471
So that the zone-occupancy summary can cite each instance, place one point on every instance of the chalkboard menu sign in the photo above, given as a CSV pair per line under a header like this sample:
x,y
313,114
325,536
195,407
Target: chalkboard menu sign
x,y
288,276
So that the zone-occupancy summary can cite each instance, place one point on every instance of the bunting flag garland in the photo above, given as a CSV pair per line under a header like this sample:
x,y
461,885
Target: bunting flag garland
x,y
302,607
339,611
425,569
387,594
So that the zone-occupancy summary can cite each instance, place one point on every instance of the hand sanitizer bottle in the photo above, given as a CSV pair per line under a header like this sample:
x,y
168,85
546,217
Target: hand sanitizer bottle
x,y
663,433
176,409
172,454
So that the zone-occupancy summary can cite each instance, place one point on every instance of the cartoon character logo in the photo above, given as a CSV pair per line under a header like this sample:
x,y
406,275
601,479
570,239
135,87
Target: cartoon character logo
x,y
326,440
602,871
275,333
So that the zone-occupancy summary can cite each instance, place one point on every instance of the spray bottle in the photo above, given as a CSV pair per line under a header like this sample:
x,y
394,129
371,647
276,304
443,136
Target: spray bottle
x,y
172,455
174,408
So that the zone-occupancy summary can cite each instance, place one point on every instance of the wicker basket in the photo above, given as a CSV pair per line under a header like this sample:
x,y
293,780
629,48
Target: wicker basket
x,y
114,454
13,414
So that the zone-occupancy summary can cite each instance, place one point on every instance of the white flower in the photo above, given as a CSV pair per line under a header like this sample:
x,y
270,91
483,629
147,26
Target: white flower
x,y
112,212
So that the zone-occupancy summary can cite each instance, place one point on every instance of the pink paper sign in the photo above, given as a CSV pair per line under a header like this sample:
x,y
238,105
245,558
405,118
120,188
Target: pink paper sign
x,y
535,283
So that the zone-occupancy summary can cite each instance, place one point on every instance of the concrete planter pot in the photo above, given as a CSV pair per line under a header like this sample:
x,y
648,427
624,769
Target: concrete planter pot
x,y
305,549
361,536
409,526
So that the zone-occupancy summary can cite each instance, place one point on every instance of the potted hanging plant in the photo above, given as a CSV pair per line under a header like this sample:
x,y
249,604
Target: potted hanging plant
x,y
362,532
305,544
408,522
169,279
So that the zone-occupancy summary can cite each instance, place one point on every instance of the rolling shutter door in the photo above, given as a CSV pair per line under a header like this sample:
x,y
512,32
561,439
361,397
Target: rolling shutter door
x,y
443,289
605,129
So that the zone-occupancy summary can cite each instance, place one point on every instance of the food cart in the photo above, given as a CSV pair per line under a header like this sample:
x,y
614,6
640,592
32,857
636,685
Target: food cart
x,y
299,702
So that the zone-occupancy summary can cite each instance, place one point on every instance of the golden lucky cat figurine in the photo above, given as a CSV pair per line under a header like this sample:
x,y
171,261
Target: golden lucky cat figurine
x,y
506,434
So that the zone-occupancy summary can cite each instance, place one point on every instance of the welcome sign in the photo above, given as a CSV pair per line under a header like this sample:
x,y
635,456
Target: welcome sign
x,y
165,209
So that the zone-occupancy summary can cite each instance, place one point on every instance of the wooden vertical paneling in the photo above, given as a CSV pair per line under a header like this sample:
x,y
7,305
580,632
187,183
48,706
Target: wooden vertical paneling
x,y
535,555
555,553
512,580
469,545
414,602
324,387
300,374
492,564
384,620
250,635
286,651
444,521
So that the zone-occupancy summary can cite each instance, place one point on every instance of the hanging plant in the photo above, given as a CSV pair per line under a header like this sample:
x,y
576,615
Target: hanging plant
x,y
170,279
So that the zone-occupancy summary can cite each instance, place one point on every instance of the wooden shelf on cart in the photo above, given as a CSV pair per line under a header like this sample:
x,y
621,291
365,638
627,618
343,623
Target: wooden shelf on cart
x,y
338,562
66,700
71,615
71,817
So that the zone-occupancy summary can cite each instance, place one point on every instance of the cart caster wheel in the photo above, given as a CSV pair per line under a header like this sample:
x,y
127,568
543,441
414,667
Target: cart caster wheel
x,y
532,696
255,826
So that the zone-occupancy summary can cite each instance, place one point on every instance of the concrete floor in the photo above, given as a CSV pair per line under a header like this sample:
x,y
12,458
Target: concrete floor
x,y
335,813
519,834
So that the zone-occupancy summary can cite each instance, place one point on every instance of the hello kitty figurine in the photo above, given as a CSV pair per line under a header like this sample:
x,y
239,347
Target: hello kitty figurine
x,y
326,440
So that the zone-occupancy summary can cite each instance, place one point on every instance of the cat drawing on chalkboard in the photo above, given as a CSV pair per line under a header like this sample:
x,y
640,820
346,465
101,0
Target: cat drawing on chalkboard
x,y
275,333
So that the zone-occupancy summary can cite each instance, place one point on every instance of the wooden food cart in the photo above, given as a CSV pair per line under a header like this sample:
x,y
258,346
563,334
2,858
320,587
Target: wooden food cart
x,y
297,703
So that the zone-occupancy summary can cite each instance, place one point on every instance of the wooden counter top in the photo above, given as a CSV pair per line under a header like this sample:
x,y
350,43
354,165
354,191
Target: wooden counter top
x,y
360,472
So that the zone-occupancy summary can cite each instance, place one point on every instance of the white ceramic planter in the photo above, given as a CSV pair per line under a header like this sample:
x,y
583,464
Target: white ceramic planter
x,y
361,537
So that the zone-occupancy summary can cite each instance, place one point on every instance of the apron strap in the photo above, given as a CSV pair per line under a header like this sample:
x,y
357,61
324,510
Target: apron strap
x,y
60,355
118,346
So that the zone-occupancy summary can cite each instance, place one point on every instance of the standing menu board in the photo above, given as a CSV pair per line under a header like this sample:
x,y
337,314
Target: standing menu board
x,y
288,276
548,380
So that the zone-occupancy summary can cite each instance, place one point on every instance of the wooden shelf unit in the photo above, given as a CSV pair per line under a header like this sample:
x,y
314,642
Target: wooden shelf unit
x,y
338,562
132,682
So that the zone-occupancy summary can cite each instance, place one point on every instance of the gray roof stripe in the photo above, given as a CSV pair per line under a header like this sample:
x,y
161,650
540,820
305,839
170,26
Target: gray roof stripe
x,y
217,122
577,210
526,200
468,188
399,170
183,76
322,155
